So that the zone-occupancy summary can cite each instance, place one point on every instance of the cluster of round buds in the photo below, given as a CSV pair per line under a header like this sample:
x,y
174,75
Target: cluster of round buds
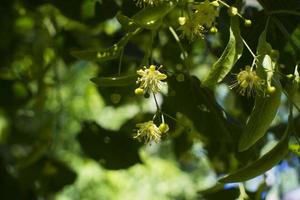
x,y
150,80
145,3
149,132
248,82
233,11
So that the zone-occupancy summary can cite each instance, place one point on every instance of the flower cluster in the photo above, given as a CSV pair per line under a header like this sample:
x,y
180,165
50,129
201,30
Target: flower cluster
x,y
206,13
248,82
148,131
150,80
203,18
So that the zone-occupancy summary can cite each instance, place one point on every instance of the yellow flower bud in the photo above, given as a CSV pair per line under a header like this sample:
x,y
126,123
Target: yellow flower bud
x,y
152,68
215,3
213,29
248,22
232,11
290,76
181,20
271,89
139,91
163,127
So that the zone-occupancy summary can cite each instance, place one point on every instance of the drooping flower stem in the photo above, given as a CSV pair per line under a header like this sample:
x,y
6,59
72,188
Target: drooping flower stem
x,y
120,61
156,103
184,53
243,194
251,52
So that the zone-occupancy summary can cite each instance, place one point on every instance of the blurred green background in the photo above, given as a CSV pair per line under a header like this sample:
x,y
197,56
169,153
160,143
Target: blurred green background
x,y
63,137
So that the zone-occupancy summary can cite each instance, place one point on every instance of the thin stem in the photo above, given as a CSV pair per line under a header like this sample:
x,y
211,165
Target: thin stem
x,y
287,95
249,49
184,53
151,47
286,35
175,120
292,102
224,3
156,103
243,194
120,61
251,52
228,6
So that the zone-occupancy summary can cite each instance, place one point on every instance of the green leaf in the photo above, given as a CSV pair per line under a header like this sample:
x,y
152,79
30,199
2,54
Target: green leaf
x,y
151,17
263,164
232,52
127,24
51,174
119,81
265,106
102,55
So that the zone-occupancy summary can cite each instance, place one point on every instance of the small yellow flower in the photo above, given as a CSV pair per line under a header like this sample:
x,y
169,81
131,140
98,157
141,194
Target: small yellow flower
x,y
148,132
150,79
145,3
163,127
139,91
248,82
205,13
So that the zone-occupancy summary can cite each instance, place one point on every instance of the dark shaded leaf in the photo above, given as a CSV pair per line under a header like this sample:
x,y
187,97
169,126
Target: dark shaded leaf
x,y
102,55
263,164
114,150
127,24
51,174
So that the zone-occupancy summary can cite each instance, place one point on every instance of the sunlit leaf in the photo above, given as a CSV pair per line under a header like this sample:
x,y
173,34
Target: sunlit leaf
x,y
230,55
263,164
151,17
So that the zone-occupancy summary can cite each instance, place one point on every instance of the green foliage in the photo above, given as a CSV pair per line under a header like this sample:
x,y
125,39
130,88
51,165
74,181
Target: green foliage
x,y
265,107
263,164
71,75
232,52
